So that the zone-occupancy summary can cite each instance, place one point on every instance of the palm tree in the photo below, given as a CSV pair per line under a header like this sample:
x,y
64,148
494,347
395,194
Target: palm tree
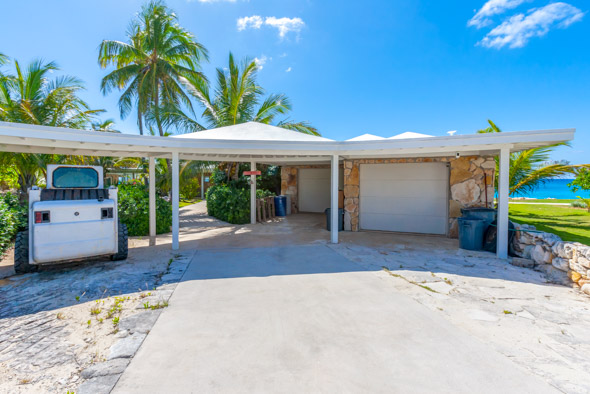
x,y
529,168
30,96
150,68
106,125
237,99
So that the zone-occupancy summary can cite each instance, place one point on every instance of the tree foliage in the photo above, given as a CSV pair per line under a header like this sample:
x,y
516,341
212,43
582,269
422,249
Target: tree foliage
x,y
529,168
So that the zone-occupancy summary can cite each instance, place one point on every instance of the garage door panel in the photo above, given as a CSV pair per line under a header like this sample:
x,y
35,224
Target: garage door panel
x,y
405,188
314,189
405,223
405,197
415,206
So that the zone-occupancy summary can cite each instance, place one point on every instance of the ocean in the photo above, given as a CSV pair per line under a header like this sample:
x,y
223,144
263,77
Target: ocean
x,y
555,188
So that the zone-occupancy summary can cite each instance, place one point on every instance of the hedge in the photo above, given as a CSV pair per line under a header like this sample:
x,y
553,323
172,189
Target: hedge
x,y
134,211
13,218
231,204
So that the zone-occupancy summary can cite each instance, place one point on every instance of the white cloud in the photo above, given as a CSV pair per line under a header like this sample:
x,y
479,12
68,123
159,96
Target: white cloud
x,y
261,61
288,70
283,25
516,31
254,22
491,8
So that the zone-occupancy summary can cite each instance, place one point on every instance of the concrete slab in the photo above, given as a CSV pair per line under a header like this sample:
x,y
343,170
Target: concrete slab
x,y
306,319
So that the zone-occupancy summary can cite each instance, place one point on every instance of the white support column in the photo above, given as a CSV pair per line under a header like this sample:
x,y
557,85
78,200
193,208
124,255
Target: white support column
x,y
503,192
202,185
152,192
175,201
334,200
253,193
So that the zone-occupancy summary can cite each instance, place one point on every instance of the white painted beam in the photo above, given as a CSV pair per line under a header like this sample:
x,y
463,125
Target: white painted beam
x,y
202,185
175,201
334,200
152,204
253,193
503,193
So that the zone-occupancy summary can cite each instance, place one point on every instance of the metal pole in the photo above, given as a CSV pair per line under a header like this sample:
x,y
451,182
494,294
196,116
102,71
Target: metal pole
x,y
175,201
202,185
152,192
334,200
503,193
253,193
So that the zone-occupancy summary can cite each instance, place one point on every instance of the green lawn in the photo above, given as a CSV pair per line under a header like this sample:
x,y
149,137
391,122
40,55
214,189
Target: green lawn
x,y
545,200
184,203
571,224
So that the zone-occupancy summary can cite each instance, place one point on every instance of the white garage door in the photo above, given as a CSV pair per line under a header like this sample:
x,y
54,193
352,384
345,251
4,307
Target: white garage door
x,y
408,197
314,189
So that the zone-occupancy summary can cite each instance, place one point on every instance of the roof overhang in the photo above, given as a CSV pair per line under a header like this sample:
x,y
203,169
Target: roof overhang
x,y
16,137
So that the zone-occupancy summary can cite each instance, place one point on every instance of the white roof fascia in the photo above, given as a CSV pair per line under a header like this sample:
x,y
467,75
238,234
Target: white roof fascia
x,y
41,139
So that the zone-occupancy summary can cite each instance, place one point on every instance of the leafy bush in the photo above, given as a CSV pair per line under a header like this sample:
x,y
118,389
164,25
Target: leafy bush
x,y
189,188
231,204
134,210
579,204
13,218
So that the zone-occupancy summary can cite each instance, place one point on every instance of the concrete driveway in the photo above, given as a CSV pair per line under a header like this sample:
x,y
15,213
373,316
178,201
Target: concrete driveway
x,y
306,319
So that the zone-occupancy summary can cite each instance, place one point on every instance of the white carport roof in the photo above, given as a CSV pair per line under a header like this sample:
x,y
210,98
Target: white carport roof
x,y
237,143
409,134
366,137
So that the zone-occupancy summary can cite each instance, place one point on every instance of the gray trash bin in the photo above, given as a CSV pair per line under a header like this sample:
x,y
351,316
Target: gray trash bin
x,y
487,214
471,233
340,219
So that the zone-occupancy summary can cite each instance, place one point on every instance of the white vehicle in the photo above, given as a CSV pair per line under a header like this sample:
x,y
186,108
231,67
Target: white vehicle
x,y
74,218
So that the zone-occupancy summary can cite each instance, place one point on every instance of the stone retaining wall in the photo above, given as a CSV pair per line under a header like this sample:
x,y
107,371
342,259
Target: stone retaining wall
x,y
467,183
546,248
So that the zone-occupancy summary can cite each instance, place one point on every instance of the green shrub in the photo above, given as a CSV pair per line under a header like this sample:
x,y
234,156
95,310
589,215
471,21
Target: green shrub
x,y
134,210
579,204
189,188
231,204
13,218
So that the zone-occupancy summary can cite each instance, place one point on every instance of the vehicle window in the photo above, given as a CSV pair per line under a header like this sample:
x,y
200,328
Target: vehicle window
x,y
72,177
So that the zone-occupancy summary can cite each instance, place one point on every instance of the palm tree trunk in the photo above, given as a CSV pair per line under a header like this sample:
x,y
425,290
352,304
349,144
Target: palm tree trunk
x,y
139,119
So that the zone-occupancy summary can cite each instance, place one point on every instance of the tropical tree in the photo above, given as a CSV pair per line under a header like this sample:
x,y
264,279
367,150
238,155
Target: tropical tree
x,y
530,168
237,98
150,68
31,96
582,182
106,125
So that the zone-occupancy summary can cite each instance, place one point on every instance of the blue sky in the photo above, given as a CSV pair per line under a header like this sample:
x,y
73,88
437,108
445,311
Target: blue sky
x,y
380,67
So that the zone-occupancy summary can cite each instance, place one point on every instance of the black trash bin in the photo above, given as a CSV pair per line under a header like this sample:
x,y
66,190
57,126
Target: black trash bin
x,y
340,219
471,233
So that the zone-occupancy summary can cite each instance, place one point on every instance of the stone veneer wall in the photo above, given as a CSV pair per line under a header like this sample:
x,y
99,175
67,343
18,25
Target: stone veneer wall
x,y
546,248
466,182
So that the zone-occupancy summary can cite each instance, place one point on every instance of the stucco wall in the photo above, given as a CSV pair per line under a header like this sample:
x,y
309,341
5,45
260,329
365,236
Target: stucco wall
x,y
467,185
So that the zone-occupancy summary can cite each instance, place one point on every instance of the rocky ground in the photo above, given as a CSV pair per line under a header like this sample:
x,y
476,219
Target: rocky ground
x,y
75,328
519,312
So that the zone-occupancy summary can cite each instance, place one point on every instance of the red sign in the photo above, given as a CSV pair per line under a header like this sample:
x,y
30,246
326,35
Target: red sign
x,y
252,173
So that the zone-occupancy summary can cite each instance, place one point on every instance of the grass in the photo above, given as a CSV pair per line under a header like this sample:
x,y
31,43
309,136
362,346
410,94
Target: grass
x,y
184,203
545,200
571,224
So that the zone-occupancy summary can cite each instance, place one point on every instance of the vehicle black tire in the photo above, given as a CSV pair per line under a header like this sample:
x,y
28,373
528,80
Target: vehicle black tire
x,y
21,254
123,244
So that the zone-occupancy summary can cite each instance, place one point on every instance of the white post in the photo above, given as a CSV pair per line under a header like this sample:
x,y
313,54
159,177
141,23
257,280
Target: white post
x,y
202,185
334,200
152,192
253,193
503,192
175,201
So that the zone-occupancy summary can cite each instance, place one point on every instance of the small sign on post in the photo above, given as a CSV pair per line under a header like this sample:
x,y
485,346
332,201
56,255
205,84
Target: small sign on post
x,y
252,173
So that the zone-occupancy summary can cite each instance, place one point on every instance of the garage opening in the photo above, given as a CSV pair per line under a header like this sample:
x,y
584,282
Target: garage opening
x,y
404,197
314,189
